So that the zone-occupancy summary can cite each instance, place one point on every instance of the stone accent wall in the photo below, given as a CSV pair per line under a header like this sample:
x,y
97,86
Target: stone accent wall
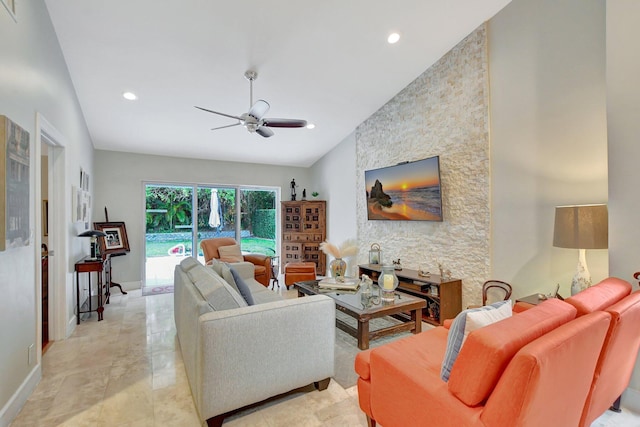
x,y
444,112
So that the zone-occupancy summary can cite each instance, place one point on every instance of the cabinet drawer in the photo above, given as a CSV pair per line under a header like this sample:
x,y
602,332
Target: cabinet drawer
x,y
292,247
291,257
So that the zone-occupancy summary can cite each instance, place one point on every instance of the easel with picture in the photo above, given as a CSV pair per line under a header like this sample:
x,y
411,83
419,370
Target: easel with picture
x,y
114,244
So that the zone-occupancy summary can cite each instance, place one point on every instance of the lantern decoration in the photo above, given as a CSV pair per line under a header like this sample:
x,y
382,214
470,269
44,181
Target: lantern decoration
x,y
375,254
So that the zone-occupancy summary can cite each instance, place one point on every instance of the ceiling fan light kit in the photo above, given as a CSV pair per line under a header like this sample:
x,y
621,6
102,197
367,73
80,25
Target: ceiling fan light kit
x,y
253,120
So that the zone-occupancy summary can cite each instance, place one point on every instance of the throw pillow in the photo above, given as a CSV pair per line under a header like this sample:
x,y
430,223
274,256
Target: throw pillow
x,y
242,287
478,319
216,265
218,293
230,253
456,337
225,272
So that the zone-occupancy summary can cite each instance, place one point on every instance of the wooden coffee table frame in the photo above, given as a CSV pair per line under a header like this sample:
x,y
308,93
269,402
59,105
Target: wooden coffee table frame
x,y
403,304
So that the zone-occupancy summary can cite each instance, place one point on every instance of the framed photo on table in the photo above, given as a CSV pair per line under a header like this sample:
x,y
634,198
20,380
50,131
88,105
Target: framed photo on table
x,y
116,240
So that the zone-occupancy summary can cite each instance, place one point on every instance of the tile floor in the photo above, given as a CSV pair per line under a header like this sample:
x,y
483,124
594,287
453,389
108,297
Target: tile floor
x,y
127,371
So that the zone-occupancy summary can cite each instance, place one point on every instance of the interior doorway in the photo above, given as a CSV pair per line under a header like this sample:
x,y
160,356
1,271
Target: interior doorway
x,y
51,299
44,235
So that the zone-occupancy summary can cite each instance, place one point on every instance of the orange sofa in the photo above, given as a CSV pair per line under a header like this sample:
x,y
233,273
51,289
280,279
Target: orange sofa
x,y
619,352
542,366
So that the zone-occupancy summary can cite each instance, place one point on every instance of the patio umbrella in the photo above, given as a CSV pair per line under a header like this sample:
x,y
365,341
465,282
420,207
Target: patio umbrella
x,y
215,216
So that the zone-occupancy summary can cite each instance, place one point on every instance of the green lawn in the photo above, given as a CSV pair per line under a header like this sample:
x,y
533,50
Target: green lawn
x,y
250,244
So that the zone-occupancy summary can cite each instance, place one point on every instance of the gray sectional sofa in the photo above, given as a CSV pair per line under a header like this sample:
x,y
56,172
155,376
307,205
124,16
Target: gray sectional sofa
x,y
237,354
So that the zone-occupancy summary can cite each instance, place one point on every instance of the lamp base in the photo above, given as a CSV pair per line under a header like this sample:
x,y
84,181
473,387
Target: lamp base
x,y
582,279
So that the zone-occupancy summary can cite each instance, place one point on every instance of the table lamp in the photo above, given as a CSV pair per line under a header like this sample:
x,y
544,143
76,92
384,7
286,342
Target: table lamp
x,y
94,234
581,227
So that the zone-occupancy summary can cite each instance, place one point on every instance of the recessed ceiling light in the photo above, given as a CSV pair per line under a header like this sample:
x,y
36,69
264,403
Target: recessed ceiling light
x,y
393,38
130,96
310,125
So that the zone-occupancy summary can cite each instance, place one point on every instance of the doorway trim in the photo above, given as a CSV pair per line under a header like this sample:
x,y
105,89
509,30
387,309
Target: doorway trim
x,y
46,133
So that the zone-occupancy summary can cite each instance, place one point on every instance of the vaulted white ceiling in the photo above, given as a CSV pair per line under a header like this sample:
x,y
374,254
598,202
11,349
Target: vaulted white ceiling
x,y
327,62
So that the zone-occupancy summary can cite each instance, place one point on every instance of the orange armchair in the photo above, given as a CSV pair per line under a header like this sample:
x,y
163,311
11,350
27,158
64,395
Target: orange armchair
x,y
262,263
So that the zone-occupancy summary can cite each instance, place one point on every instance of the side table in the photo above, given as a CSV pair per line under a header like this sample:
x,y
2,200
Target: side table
x,y
532,299
89,266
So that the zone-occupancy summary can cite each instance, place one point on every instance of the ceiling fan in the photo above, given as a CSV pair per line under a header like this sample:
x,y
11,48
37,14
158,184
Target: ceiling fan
x,y
254,120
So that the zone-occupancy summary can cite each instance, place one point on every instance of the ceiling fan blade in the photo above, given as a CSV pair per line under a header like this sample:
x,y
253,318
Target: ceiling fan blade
x,y
284,123
259,109
266,132
220,114
227,126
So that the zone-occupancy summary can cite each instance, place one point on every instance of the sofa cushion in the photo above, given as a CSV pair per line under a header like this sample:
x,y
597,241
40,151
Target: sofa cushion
x,y
242,286
231,253
263,295
547,380
218,293
244,269
459,331
488,351
188,263
600,296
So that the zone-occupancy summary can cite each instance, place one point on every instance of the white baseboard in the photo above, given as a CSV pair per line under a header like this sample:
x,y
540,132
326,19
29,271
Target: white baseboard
x,y
19,398
631,400
71,326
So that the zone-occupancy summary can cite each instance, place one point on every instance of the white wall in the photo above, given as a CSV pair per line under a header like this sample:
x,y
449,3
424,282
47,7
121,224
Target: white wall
x,y
119,186
623,111
334,177
548,135
34,78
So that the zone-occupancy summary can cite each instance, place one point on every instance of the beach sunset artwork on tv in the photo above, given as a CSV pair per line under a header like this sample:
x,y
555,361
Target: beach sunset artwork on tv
x,y
407,192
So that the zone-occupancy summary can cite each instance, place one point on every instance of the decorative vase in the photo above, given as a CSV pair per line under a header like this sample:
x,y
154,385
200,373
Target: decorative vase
x,y
388,282
338,268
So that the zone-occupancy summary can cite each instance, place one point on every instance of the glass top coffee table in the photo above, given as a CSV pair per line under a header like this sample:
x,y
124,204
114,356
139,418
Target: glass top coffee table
x,y
406,308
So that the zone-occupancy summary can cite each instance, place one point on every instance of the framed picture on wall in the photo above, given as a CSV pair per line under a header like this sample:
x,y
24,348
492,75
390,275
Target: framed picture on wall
x,y
15,155
116,240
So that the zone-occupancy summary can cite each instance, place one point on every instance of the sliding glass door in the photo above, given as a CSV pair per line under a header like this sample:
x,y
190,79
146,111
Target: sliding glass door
x,y
179,217
258,221
168,232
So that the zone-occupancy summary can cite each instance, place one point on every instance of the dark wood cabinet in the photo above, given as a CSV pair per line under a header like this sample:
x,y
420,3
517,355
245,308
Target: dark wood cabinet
x,y
303,229
443,297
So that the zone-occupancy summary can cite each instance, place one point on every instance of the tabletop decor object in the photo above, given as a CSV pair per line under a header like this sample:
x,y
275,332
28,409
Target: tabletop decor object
x,y
375,254
581,227
388,282
338,266
93,234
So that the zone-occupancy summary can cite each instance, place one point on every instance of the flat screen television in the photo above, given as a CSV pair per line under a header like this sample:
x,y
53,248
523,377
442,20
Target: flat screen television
x,y
408,191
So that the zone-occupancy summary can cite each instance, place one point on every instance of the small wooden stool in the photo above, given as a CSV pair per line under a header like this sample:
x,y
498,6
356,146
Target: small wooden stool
x,y
299,271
